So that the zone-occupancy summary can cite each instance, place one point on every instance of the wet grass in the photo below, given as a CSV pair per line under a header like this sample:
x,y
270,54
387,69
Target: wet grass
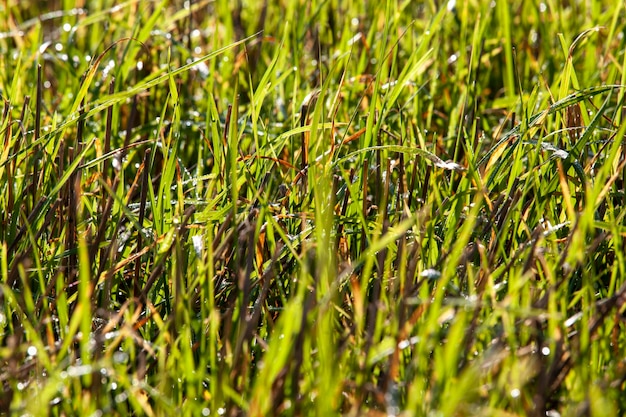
x,y
255,208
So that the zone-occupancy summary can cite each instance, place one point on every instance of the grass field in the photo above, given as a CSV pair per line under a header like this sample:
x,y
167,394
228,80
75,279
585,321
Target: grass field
x,y
312,208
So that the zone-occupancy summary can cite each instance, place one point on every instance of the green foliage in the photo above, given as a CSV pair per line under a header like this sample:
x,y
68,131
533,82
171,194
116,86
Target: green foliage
x,y
312,207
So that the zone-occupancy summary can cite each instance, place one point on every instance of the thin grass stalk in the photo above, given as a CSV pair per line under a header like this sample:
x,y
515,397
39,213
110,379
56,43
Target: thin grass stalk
x,y
38,104
365,207
142,213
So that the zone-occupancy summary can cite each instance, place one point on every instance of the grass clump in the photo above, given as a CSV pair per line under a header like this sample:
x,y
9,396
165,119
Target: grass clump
x,y
312,208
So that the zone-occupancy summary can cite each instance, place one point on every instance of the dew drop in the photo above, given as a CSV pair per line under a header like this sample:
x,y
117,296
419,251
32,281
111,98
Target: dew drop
x,y
430,273
121,397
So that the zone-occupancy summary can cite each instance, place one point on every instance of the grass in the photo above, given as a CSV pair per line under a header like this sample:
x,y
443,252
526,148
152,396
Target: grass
x,y
325,207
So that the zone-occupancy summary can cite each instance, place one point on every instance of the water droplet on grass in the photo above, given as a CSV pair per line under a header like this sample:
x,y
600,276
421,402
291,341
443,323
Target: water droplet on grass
x,y
430,273
120,357
355,39
31,351
121,397
198,244
534,36
76,371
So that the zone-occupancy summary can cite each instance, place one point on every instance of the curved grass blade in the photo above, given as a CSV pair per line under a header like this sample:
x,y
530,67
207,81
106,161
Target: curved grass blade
x,y
537,120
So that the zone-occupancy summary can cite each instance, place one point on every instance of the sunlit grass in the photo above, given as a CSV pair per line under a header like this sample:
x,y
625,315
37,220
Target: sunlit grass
x,y
215,208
